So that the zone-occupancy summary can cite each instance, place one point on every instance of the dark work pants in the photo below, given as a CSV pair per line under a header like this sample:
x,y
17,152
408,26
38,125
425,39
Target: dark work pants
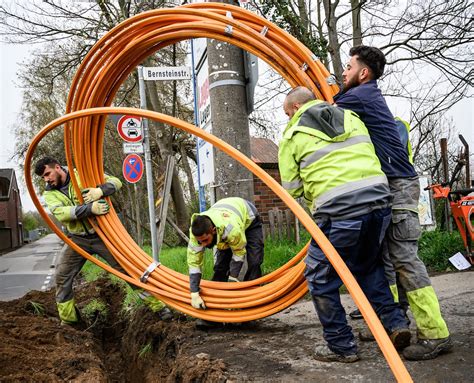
x,y
358,242
254,248
70,263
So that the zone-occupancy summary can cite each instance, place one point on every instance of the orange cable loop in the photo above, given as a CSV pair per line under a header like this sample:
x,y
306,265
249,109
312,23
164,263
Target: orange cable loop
x,y
104,69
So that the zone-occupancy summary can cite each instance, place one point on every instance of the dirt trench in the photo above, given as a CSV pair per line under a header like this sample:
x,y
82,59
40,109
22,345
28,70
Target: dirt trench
x,y
111,347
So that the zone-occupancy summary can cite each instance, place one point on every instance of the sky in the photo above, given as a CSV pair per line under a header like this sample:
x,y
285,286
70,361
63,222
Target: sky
x,y
11,100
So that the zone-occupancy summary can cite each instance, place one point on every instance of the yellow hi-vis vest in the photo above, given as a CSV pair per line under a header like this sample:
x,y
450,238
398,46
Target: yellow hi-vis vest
x,y
326,155
231,217
404,130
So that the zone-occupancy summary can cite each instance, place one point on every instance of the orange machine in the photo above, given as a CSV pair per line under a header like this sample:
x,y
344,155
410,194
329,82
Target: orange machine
x,y
462,207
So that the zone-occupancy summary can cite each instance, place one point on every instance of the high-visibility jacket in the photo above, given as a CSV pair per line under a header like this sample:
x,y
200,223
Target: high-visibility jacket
x,y
63,204
231,217
327,157
404,130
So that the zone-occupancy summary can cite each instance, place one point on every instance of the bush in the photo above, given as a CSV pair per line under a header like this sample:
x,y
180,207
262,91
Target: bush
x,y
435,247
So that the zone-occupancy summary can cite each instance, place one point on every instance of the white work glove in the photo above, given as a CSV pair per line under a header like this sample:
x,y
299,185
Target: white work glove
x,y
232,279
100,207
196,301
92,194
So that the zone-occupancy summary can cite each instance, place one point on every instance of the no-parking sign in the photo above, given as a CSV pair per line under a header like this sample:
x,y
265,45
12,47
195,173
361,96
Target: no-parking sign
x,y
130,128
132,168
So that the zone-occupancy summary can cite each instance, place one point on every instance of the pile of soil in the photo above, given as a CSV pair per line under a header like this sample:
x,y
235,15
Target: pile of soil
x,y
114,346
144,347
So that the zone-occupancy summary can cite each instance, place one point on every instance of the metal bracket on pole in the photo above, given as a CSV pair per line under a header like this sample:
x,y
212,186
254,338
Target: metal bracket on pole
x,y
225,83
148,271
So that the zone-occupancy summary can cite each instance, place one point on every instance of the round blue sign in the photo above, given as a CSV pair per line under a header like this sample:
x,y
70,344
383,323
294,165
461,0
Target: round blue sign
x,y
132,168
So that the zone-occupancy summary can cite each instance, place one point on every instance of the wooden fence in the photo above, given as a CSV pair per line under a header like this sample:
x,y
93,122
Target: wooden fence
x,y
282,225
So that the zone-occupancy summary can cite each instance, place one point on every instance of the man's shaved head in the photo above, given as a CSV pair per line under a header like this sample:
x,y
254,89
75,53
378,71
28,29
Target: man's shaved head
x,y
296,98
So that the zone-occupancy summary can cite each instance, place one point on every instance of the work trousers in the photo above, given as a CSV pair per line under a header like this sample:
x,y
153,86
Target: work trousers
x,y
403,265
71,262
254,258
358,241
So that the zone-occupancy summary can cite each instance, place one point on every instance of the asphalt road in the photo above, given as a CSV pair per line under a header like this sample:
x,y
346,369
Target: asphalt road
x,y
31,267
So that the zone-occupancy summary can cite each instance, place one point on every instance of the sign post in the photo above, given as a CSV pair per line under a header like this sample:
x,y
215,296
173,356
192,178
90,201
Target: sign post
x,y
148,167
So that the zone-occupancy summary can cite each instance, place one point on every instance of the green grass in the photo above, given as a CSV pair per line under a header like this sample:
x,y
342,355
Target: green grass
x,y
277,253
95,309
91,272
37,308
435,247
146,350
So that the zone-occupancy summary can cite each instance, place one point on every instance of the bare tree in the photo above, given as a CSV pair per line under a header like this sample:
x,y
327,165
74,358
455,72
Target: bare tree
x,y
67,31
428,45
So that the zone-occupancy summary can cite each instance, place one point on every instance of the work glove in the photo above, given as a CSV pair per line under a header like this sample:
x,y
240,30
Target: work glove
x,y
100,207
92,194
196,301
232,279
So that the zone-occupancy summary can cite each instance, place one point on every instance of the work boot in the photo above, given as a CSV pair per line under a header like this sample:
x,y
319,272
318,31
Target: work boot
x,y
366,335
356,314
325,354
427,348
400,338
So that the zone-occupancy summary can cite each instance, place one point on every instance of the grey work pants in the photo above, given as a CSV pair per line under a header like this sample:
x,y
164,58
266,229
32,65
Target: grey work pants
x,y
401,241
70,263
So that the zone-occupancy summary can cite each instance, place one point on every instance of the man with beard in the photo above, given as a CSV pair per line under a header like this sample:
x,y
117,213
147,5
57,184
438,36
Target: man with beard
x,y
234,226
326,157
361,94
64,204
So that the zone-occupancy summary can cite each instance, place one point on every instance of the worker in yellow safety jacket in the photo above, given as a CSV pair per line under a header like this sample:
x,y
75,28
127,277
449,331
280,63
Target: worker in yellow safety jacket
x,y
234,227
327,157
63,203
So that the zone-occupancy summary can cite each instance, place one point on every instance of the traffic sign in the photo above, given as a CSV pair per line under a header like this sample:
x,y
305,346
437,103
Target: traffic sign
x,y
133,147
167,73
132,168
130,128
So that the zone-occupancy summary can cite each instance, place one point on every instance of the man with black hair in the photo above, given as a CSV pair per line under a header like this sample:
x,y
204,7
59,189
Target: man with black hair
x,y
361,94
234,226
62,201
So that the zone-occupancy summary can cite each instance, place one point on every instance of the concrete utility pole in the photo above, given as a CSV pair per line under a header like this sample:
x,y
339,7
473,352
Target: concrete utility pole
x,y
229,116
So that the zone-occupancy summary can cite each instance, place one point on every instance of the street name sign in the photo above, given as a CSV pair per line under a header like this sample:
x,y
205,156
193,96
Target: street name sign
x,y
167,73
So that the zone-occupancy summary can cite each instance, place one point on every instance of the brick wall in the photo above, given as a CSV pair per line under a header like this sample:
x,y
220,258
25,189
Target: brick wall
x,y
4,211
265,198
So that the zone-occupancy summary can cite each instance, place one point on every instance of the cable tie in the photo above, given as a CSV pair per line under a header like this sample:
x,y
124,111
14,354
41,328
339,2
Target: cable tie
x,y
229,14
228,30
264,31
304,67
148,271
331,80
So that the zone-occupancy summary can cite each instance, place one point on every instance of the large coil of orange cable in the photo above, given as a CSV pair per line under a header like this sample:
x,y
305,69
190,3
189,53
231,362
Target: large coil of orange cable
x,y
97,80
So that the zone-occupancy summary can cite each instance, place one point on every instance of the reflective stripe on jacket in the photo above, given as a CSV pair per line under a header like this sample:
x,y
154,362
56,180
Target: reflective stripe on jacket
x,y
63,207
231,217
327,157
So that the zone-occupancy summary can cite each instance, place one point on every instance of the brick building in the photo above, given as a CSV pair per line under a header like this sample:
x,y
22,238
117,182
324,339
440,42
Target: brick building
x,y
264,153
11,228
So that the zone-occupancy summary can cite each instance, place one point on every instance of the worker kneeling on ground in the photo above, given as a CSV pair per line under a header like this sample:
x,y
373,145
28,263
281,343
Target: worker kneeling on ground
x,y
327,157
234,226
